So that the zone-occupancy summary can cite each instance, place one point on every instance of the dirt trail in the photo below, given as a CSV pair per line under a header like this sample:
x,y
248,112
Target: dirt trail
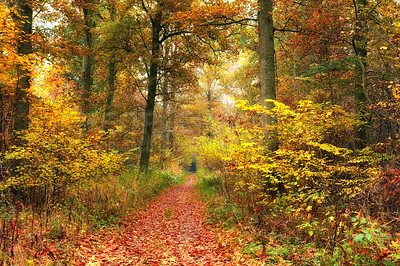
x,y
168,232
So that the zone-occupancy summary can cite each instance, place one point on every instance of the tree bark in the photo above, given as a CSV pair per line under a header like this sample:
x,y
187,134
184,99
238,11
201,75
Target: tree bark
x,y
24,21
267,63
24,48
110,95
172,123
112,73
360,45
151,92
87,61
209,134
164,133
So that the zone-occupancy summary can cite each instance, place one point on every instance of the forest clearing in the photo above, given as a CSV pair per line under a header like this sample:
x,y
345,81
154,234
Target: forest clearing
x,y
199,132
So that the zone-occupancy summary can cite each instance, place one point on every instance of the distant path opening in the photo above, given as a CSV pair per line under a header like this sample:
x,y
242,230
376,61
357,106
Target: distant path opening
x,y
193,166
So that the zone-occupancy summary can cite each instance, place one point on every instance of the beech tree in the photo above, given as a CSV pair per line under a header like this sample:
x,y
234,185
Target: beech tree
x,y
112,73
15,74
24,18
267,55
156,27
340,52
267,61
87,62
69,39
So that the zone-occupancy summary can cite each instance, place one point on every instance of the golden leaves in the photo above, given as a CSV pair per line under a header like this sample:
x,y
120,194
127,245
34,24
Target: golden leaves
x,y
56,154
305,163
8,51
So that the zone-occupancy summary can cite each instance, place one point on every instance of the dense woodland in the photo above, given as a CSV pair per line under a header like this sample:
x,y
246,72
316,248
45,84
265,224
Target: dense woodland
x,y
291,110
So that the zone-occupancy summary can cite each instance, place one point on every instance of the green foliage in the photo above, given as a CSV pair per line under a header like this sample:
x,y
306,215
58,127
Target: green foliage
x,y
346,63
106,202
149,183
213,191
365,243
209,184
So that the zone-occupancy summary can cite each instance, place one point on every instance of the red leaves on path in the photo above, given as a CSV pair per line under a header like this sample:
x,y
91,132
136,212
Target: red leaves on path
x,y
168,232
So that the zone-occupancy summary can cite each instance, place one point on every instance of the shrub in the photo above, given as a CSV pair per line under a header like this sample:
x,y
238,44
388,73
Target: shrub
x,y
55,157
311,185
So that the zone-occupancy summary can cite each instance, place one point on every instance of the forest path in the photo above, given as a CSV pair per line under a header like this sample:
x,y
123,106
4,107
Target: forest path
x,y
169,232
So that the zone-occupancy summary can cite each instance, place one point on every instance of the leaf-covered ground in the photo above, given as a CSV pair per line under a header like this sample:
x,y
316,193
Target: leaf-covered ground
x,y
170,231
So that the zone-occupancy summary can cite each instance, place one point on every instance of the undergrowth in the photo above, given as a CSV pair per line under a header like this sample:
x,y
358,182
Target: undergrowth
x,y
313,200
357,239
45,234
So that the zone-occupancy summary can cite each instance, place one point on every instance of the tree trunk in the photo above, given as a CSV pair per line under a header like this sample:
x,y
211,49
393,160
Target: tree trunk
x,y
110,95
267,62
112,73
172,123
87,61
24,47
209,134
360,44
24,21
164,133
151,92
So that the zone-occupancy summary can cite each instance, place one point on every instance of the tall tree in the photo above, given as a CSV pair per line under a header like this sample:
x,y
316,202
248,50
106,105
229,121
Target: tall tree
x,y
112,73
87,63
267,60
24,48
156,21
360,43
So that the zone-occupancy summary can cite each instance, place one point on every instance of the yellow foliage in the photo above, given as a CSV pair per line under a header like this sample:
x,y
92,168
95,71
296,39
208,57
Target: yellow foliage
x,y
310,160
55,155
9,58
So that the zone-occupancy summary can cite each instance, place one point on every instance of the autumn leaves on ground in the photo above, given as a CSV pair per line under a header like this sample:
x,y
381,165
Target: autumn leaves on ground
x,y
170,231
170,228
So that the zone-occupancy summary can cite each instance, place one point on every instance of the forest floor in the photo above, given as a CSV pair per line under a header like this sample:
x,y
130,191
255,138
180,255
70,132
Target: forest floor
x,y
169,231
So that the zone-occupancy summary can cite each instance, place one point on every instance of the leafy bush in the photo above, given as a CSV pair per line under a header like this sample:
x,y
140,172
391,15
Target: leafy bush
x,y
211,151
55,157
308,167
310,186
104,203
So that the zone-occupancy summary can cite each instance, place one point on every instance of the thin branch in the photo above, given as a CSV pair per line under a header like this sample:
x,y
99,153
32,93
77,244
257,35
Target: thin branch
x,y
285,30
136,82
209,44
41,8
299,4
144,7
282,43
355,8
167,36
228,22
